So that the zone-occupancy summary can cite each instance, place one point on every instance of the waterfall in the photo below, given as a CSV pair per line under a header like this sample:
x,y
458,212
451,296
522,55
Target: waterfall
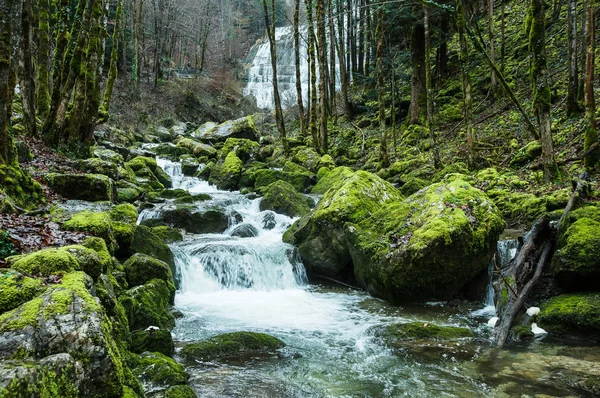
x,y
505,252
260,73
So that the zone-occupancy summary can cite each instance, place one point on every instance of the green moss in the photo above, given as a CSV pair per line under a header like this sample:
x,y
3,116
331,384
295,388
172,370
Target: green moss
x,y
146,241
16,289
126,213
332,179
231,345
529,152
148,305
174,193
99,246
309,158
22,316
281,197
94,223
420,330
62,296
46,262
180,392
244,149
161,370
521,333
88,259
571,313
141,268
90,187
167,234
141,162
197,148
152,340
99,166
18,185
227,175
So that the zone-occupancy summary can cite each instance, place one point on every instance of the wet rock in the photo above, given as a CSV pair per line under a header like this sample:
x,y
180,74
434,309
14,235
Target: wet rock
x,y
232,345
16,289
282,198
244,149
269,221
245,231
167,234
189,167
227,175
308,158
109,155
160,370
170,149
90,187
99,166
152,339
141,268
575,315
199,149
193,220
295,175
66,319
146,241
241,128
148,305
180,391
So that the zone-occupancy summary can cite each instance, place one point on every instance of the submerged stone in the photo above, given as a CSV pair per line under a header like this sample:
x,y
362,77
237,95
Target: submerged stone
x,y
232,345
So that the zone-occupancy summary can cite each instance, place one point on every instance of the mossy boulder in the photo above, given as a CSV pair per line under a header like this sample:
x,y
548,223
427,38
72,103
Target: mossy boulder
x,y
282,198
152,340
148,173
94,223
197,221
199,149
148,305
88,259
18,188
295,175
244,149
109,155
99,166
308,158
167,234
66,321
90,187
16,289
320,235
425,330
576,263
227,174
179,391
141,268
427,247
332,179
232,345
146,241
526,154
575,314
169,149
240,128
189,167
160,370
46,262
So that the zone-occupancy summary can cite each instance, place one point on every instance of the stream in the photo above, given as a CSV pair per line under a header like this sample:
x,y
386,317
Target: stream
x,y
229,283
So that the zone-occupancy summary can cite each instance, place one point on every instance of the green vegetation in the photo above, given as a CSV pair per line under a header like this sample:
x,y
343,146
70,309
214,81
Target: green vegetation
x,y
424,330
231,345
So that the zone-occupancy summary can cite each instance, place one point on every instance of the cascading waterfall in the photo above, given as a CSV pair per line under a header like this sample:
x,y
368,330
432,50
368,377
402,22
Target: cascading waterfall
x,y
505,252
260,73
256,283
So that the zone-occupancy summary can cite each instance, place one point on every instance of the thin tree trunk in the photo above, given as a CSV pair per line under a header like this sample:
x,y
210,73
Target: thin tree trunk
x,y
26,69
591,136
429,91
442,58
492,50
502,38
418,73
361,37
313,75
341,57
297,48
369,39
541,88
7,13
466,82
112,71
43,57
322,56
583,52
572,103
383,151
270,24
332,66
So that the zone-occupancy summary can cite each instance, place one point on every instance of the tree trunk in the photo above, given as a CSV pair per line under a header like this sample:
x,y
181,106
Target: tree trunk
x,y
417,94
270,24
383,151
322,55
492,50
332,66
312,58
341,57
429,91
362,33
7,13
541,88
43,57
442,58
297,47
369,39
466,82
112,71
591,136
502,38
26,70
572,103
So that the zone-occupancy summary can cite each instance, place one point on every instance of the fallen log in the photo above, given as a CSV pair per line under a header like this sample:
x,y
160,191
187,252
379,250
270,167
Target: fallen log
x,y
522,273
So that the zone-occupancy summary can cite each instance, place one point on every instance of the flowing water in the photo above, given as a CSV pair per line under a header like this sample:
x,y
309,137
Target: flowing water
x,y
230,284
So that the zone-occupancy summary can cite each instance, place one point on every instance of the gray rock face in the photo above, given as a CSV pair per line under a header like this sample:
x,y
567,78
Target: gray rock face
x,y
90,187
245,231
66,328
239,128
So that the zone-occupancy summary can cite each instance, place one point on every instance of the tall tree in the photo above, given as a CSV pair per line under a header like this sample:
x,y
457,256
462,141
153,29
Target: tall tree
x,y
383,150
591,136
27,82
312,59
297,48
7,14
417,94
322,56
572,103
491,47
428,88
43,57
270,25
342,59
541,88
466,80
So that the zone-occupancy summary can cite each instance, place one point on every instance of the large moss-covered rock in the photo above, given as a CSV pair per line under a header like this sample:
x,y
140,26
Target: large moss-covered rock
x,y
160,370
232,345
18,188
95,223
197,148
572,314
240,128
227,175
148,305
320,235
88,259
295,175
167,234
148,173
65,320
153,340
281,197
194,220
16,289
146,241
46,262
428,246
576,263
180,391
99,166
308,158
332,179
245,149
141,268
91,187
